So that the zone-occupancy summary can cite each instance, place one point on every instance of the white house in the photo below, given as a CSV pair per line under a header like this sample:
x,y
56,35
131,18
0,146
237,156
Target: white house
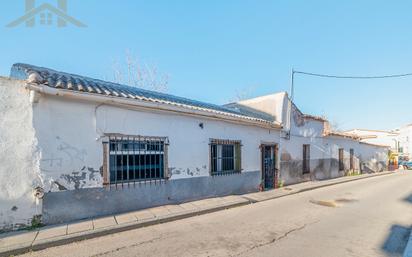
x,y
405,141
378,137
73,147
309,150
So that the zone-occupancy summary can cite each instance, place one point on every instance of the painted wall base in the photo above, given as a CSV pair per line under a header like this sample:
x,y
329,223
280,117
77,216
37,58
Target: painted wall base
x,y
66,206
321,169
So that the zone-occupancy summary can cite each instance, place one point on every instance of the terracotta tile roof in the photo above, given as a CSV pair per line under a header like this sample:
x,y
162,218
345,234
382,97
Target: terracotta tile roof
x,y
342,134
313,117
81,84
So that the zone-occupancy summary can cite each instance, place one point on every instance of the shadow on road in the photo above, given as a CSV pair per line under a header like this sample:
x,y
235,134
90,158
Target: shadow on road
x,y
396,242
398,238
409,199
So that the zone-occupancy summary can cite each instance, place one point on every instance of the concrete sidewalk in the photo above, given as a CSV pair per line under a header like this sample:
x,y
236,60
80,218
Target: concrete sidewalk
x,y
49,236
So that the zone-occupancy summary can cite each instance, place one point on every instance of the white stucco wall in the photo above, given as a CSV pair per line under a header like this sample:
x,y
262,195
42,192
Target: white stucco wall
x,y
273,104
70,140
19,158
304,131
56,143
377,137
324,152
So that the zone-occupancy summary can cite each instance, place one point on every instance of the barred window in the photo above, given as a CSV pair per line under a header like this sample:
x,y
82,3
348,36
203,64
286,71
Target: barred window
x,y
136,159
225,156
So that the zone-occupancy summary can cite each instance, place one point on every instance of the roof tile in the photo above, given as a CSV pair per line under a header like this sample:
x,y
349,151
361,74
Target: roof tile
x,y
67,81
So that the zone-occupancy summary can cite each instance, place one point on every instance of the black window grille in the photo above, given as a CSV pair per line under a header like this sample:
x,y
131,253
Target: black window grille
x,y
225,157
306,159
134,159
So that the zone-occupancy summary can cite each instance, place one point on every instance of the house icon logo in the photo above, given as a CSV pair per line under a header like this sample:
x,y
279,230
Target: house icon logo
x,y
46,15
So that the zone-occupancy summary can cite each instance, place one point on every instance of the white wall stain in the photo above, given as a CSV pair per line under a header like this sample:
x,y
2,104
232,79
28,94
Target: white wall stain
x,y
19,156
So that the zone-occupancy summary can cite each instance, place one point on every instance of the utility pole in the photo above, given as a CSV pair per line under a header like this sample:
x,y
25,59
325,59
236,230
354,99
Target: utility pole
x,y
292,85
290,103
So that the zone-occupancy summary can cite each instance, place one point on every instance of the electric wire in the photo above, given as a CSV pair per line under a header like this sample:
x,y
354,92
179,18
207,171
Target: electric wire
x,y
352,77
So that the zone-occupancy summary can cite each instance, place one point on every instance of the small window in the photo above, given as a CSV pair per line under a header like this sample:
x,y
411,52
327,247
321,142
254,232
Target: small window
x,y
136,159
306,159
351,160
225,157
341,164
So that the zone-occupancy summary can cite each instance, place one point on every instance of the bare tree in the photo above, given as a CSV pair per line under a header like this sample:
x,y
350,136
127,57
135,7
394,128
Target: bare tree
x,y
333,125
243,94
134,73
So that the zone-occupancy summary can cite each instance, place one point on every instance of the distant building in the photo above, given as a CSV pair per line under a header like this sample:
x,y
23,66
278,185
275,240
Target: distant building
x,y
405,141
379,137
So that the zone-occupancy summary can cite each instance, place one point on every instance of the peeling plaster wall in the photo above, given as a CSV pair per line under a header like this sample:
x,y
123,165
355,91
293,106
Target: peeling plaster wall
x,y
56,143
373,158
70,139
19,158
70,134
71,155
324,153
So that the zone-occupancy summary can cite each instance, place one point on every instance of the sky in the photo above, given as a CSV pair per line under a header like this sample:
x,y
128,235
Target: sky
x,y
214,50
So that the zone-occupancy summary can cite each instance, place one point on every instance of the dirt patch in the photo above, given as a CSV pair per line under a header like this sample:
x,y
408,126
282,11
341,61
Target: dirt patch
x,y
345,200
332,203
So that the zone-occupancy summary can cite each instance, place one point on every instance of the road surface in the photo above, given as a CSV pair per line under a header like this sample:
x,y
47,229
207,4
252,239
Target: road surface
x,y
370,217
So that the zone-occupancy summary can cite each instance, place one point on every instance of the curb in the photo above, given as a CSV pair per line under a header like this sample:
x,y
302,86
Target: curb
x,y
53,242
320,186
408,249
62,240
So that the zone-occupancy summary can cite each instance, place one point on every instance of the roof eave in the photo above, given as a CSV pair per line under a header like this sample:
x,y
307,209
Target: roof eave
x,y
167,107
334,134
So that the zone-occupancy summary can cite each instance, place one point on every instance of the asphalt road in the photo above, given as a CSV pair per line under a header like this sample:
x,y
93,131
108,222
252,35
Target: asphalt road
x,y
370,217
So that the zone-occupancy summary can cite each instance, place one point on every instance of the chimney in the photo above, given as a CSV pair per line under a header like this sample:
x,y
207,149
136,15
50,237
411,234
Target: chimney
x,y
30,4
62,5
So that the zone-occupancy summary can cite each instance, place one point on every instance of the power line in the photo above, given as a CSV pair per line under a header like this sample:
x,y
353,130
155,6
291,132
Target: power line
x,y
292,87
352,77
342,77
